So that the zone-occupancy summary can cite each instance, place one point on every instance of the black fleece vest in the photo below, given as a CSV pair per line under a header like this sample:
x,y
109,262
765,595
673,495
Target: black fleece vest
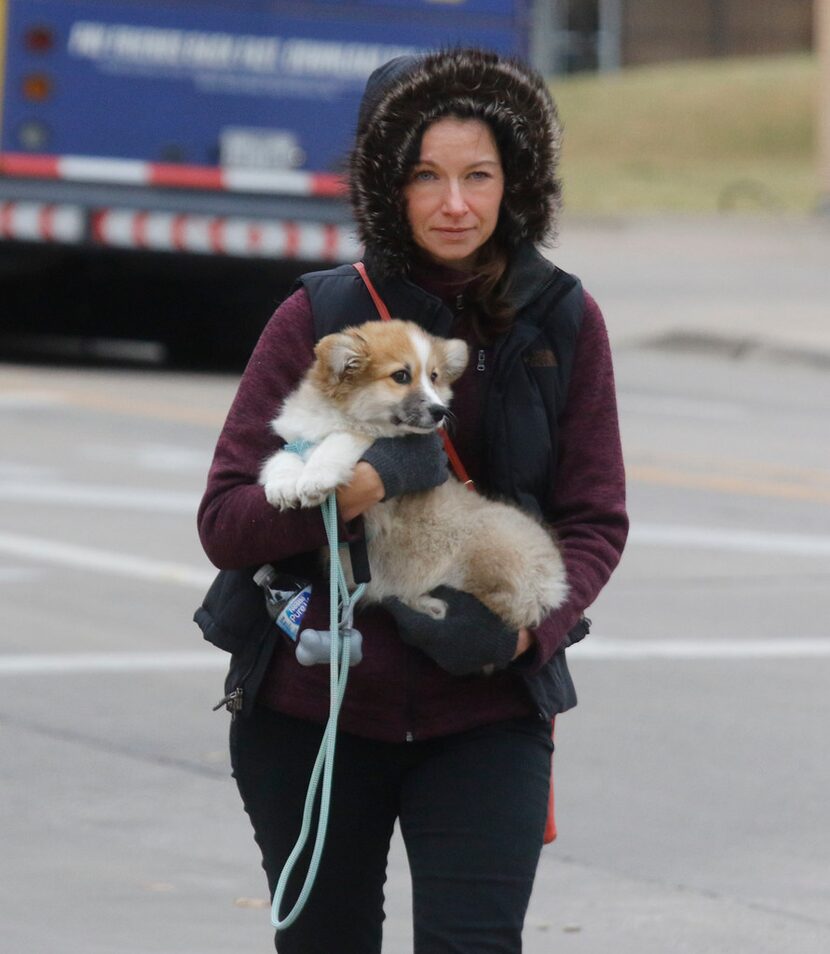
x,y
531,371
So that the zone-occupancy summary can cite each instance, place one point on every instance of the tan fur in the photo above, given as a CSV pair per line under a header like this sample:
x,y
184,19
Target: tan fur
x,y
445,536
454,537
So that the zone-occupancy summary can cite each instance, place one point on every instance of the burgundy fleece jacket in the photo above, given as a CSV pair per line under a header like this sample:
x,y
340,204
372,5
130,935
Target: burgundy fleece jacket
x,y
396,692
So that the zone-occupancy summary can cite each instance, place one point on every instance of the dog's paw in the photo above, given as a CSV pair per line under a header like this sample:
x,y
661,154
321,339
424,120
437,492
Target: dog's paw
x,y
279,479
282,493
313,488
430,606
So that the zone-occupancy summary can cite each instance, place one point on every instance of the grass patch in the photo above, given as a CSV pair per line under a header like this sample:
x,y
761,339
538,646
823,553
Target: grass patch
x,y
700,136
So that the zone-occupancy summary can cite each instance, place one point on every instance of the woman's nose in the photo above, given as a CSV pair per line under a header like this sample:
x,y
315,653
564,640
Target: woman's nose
x,y
454,201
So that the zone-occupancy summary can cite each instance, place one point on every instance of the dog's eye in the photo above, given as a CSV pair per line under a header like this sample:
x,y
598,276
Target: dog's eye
x,y
434,376
402,376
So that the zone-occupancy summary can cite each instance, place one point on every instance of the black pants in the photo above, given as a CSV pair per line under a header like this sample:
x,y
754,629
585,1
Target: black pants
x,y
472,810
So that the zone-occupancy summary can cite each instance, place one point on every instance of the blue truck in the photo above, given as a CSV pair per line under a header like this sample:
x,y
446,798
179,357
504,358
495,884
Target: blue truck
x,y
199,128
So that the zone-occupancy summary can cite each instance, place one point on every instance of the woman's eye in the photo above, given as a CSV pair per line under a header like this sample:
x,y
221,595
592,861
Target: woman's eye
x,y
479,175
401,377
423,175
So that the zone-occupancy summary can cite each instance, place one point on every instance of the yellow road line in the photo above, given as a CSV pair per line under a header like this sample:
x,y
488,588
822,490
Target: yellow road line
x,y
727,484
721,462
109,403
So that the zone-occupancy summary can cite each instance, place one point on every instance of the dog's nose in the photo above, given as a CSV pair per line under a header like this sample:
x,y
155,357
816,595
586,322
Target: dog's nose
x,y
437,412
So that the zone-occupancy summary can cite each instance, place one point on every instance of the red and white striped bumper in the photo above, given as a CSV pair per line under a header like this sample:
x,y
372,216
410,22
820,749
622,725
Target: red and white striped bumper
x,y
39,222
130,172
169,232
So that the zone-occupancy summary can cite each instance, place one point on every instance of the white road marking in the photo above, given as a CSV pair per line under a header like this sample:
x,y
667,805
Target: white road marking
x,y
22,400
160,571
100,496
109,497
10,470
590,649
19,574
168,458
63,663
741,541
597,647
104,561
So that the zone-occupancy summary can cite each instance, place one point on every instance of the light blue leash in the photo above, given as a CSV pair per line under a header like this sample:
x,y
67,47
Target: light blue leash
x,y
340,632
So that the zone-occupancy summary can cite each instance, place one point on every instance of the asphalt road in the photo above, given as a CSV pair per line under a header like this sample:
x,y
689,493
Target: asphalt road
x,y
692,779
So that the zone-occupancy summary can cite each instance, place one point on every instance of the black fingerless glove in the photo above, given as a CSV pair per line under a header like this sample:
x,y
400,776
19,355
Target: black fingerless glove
x,y
467,640
408,464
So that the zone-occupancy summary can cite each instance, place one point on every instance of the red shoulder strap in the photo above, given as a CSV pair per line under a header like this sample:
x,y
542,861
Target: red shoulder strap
x,y
383,311
455,461
458,468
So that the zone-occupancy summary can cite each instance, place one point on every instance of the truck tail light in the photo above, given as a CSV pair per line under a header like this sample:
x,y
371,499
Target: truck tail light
x,y
39,39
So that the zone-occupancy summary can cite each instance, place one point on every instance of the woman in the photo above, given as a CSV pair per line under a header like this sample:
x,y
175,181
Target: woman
x,y
453,182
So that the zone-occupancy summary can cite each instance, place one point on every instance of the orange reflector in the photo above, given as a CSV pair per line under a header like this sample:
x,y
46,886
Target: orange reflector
x,y
37,87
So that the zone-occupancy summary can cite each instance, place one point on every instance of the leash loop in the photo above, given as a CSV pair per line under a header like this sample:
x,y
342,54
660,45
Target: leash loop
x,y
339,631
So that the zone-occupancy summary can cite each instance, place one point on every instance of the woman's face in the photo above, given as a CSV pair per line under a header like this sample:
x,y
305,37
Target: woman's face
x,y
453,194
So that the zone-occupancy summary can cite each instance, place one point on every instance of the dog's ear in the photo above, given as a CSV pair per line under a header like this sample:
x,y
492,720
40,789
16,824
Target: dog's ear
x,y
454,357
340,356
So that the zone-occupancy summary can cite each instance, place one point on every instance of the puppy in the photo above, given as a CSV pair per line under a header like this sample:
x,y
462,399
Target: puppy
x,y
387,379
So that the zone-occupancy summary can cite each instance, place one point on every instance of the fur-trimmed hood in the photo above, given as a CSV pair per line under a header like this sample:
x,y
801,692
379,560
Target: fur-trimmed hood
x,y
407,94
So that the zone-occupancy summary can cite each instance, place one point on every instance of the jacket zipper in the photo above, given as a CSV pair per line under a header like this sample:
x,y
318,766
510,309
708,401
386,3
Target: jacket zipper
x,y
232,701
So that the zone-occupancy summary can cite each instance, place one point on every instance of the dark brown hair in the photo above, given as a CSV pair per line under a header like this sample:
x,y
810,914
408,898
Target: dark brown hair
x,y
492,312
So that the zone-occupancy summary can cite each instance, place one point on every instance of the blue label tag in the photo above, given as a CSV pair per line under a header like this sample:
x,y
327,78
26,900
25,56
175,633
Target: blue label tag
x,y
291,617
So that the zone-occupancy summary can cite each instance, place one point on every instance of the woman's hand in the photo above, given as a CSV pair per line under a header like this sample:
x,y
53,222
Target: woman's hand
x,y
409,463
363,491
468,639
393,466
525,641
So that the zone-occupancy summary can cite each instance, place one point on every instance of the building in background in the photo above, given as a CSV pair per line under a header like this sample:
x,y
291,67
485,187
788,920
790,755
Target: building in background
x,y
606,34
